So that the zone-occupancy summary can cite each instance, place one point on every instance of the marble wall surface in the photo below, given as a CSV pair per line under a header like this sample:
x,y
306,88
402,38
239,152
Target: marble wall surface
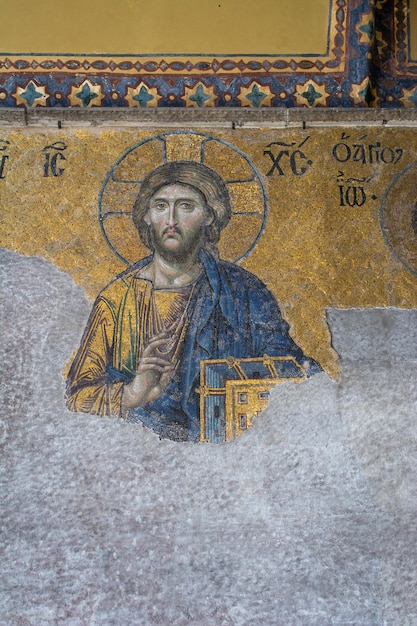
x,y
307,519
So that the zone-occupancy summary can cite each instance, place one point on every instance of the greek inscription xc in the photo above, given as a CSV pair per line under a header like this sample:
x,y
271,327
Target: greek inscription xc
x,y
287,157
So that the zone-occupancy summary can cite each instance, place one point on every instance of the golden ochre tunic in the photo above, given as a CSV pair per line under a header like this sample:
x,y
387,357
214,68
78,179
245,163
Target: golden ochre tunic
x,y
126,317
229,313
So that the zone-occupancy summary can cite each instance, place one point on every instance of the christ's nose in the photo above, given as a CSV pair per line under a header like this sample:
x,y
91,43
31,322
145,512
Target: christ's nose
x,y
171,217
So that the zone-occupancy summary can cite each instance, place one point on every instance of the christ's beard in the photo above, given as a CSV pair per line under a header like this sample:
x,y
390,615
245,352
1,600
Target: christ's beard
x,y
188,247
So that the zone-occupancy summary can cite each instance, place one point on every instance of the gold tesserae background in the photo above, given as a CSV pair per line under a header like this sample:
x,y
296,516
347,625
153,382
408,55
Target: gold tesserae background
x,y
316,206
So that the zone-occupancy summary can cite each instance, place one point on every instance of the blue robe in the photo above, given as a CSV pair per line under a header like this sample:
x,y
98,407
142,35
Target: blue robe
x,y
231,313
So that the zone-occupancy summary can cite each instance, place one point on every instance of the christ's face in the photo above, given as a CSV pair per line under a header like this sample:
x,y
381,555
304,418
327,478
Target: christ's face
x,y
177,217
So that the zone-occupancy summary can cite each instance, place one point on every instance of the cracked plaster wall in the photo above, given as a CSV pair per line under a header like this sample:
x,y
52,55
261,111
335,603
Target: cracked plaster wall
x,y
309,518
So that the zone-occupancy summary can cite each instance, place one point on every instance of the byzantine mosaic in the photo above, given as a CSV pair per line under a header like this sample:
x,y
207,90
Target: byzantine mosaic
x,y
299,200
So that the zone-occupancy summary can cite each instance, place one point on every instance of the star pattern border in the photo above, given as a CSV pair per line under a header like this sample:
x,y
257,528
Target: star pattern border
x,y
359,29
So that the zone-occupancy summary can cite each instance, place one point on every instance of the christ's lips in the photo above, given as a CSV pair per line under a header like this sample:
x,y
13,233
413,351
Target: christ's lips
x,y
171,232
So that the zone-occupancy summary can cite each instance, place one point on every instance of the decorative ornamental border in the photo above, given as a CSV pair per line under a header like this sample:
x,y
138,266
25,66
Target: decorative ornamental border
x,y
338,78
394,71
333,60
405,65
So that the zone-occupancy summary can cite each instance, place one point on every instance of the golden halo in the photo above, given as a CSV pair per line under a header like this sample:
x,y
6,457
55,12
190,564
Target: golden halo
x,y
247,193
399,217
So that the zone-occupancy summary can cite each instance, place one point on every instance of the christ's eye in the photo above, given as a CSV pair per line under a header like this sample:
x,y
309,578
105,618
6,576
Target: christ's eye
x,y
160,206
187,206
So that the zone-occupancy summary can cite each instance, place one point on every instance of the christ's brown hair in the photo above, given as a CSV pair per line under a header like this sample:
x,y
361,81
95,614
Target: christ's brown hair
x,y
196,175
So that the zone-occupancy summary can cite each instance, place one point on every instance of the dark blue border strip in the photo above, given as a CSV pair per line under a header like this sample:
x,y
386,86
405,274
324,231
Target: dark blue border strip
x,y
410,59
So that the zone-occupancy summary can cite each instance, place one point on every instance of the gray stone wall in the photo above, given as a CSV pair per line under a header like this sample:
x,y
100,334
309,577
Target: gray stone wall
x,y
308,519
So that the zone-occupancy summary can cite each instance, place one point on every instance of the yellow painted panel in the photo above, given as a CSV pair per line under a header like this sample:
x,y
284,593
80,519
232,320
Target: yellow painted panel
x,y
165,27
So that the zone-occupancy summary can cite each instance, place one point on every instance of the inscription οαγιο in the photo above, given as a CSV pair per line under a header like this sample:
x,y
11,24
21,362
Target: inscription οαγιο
x,y
366,153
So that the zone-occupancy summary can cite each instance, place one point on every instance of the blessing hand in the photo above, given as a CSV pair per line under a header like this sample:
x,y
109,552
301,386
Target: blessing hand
x,y
152,376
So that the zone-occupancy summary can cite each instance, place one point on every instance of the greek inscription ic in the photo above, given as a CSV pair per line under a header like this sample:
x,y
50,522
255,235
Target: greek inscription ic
x,y
287,158
54,157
